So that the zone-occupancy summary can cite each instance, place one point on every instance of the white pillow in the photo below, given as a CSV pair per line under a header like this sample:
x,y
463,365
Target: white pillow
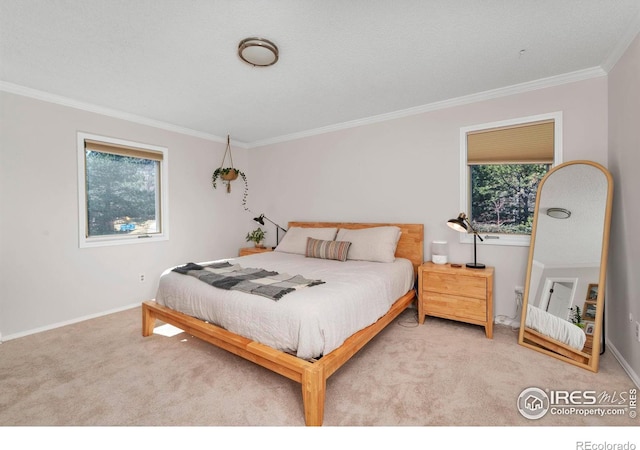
x,y
371,244
295,241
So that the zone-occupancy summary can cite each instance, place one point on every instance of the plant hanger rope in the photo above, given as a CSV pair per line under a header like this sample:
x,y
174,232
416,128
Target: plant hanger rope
x,y
228,150
228,173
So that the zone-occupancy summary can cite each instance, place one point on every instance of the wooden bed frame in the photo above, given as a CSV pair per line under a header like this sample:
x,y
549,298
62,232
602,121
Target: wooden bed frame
x,y
312,375
545,343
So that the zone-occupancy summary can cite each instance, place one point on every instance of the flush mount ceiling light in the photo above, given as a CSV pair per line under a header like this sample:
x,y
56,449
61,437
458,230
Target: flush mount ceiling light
x,y
558,213
258,52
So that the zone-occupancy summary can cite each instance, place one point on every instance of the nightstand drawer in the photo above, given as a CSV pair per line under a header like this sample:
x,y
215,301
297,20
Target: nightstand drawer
x,y
454,284
445,305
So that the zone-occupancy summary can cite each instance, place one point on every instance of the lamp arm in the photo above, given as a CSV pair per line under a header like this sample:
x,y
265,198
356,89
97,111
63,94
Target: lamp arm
x,y
265,217
473,230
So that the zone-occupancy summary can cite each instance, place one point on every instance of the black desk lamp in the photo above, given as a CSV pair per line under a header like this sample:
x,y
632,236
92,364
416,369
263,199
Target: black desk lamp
x,y
463,225
261,218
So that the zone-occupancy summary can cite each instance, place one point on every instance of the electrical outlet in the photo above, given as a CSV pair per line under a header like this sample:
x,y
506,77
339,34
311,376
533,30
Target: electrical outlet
x,y
141,278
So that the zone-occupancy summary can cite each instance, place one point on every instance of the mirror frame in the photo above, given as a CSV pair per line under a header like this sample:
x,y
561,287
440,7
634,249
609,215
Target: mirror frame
x,y
549,346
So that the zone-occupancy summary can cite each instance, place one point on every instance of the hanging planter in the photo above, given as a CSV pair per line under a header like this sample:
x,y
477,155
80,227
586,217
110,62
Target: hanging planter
x,y
229,174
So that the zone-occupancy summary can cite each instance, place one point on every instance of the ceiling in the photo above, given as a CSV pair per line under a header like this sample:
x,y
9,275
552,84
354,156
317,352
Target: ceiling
x,y
174,63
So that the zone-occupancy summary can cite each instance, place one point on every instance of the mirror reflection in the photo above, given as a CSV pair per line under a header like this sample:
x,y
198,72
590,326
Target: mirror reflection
x,y
564,302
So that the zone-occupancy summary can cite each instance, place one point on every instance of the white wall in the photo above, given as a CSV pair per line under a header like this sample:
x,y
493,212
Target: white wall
x,y
623,284
45,278
407,170
584,276
402,170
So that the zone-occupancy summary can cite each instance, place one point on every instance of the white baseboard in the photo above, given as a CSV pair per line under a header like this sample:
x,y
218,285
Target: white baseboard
x,y
67,322
627,368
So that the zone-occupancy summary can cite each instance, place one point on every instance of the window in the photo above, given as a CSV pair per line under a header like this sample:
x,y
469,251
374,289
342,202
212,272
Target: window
x,y
502,165
122,191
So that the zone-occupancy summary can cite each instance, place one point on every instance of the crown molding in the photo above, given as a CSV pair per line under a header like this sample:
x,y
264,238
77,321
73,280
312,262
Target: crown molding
x,y
542,83
71,103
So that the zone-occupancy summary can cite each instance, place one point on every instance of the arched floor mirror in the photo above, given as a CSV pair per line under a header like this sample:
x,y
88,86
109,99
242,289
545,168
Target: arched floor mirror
x,y
563,304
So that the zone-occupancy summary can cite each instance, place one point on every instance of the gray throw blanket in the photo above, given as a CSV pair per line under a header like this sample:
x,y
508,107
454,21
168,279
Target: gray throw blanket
x,y
262,282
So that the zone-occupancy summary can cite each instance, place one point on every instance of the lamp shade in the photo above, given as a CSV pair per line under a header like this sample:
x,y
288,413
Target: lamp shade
x,y
259,219
458,223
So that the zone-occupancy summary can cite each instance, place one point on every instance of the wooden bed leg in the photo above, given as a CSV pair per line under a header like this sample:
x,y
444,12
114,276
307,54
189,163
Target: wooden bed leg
x,y
313,392
148,321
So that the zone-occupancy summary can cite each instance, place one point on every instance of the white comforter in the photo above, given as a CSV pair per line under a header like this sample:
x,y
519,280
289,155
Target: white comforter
x,y
309,322
555,327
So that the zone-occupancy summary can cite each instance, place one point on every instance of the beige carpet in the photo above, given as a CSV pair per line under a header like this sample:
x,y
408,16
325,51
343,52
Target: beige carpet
x,y
103,372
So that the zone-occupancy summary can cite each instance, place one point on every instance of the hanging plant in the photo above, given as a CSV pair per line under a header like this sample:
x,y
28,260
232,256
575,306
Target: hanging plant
x,y
229,174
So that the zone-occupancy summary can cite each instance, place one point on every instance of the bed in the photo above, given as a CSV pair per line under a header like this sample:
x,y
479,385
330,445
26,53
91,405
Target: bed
x,y
548,331
322,338
555,327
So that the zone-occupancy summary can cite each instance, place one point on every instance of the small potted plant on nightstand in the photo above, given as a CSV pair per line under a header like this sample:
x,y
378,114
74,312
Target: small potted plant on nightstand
x,y
257,237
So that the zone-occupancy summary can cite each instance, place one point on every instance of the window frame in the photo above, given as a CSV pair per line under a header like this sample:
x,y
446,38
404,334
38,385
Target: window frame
x,y
465,178
100,241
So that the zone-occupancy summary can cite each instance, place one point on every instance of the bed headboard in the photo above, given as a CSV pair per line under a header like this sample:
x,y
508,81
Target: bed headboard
x,y
410,245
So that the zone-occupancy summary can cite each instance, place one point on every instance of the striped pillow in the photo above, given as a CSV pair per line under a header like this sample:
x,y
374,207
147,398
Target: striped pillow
x,y
337,250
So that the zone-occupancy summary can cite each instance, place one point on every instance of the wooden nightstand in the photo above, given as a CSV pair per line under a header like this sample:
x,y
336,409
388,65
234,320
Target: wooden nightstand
x,y
456,293
588,344
253,250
